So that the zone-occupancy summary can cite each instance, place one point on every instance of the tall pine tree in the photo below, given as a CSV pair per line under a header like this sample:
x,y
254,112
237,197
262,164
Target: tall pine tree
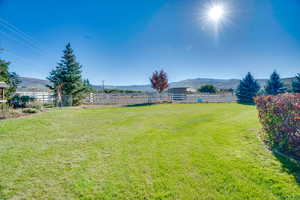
x,y
66,78
296,84
247,89
274,85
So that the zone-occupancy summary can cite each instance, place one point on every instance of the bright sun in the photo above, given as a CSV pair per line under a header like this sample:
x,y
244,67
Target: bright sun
x,y
216,13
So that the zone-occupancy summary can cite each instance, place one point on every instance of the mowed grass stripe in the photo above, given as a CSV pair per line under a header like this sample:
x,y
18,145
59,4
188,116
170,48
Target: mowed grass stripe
x,y
200,151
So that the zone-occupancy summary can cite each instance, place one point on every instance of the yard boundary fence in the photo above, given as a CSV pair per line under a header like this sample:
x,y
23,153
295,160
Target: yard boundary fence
x,y
131,99
42,97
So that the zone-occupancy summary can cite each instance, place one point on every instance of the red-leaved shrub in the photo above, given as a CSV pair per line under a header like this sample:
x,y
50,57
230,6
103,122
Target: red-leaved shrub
x,y
280,117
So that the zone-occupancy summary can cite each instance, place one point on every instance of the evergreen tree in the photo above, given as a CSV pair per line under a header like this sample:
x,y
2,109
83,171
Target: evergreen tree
x,y
274,85
208,89
247,89
296,84
88,86
66,78
56,77
10,78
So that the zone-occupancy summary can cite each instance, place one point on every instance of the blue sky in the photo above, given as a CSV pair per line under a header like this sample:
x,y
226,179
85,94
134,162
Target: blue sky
x,y
123,42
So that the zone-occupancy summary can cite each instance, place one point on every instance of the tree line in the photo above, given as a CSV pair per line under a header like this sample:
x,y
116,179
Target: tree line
x,y
249,87
246,91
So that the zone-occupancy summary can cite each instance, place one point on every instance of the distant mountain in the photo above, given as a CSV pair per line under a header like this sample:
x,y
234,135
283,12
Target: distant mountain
x,y
146,88
220,83
198,82
34,84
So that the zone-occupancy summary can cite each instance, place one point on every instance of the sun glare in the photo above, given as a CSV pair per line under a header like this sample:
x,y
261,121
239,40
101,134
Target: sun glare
x,y
216,13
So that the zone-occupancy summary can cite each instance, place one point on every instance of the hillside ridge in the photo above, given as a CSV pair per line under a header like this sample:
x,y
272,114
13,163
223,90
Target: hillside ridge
x,y
35,84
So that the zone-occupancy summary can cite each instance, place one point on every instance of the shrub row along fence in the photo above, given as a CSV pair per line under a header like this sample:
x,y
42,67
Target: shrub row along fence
x,y
43,97
280,117
48,98
131,99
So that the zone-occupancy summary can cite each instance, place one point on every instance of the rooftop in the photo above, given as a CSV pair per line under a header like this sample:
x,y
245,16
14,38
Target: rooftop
x,y
3,85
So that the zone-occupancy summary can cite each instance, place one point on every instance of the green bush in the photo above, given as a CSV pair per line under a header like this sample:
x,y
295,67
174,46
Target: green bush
x,y
280,117
30,110
48,106
208,89
20,101
35,105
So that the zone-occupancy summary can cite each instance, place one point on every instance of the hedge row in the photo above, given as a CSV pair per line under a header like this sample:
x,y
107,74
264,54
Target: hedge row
x,y
280,117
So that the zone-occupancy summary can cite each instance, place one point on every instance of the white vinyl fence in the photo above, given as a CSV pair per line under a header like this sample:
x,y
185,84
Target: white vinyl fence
x,y
137,98
43,97
124,99
131,99
203,98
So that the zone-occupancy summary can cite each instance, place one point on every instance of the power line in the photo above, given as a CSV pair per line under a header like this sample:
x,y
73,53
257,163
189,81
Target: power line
x,y
13,33
17,31
19,41
20,35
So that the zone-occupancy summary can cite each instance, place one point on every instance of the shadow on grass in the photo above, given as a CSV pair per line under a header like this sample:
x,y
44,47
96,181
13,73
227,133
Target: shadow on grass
x,y
138,105
289,164
247,104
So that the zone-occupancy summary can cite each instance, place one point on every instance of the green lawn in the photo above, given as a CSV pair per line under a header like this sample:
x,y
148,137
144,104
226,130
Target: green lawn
x,y
200,151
